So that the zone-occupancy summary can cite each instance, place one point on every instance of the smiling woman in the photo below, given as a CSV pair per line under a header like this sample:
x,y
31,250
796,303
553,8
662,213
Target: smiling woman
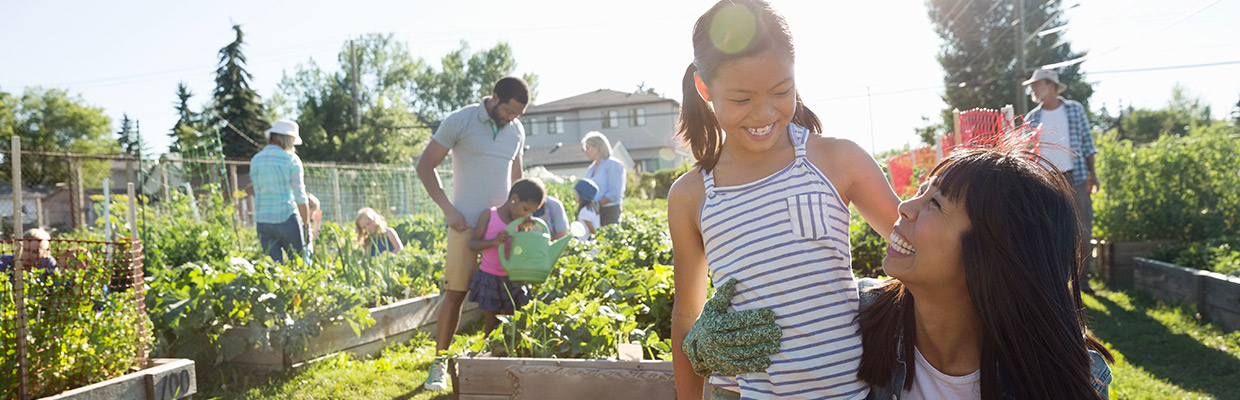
x,y
984,288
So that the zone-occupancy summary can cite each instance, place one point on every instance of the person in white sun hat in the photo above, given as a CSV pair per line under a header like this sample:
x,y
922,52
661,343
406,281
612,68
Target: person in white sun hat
x,y
281,207
1067,143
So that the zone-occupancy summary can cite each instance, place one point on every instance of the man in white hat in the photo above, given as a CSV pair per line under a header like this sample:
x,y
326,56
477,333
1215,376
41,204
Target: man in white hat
x,y
1067,143
280,203
487,142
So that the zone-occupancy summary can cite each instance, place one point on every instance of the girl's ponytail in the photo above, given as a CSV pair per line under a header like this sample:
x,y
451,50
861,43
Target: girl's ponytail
x,y
806,118
698,127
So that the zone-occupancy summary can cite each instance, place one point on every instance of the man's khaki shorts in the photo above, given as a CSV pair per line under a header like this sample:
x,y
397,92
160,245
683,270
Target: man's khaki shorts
x,y
460,263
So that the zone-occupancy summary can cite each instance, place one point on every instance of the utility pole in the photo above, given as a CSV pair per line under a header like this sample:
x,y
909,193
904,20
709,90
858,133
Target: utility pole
x,y
357,117
1021,106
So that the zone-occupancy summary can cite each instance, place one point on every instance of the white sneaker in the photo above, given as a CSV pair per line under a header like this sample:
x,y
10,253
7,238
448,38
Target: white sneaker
x,y
437,378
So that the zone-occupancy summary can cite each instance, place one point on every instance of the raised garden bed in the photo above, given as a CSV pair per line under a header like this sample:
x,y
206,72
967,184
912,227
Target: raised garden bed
x,y
1216,296
165,379
1116,259
489,378
394,323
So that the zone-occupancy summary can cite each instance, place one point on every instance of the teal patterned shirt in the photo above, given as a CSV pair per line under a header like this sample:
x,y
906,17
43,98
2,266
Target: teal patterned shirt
x,y
279,184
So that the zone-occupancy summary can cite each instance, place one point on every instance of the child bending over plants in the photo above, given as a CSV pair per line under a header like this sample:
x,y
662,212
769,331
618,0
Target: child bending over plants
x,y
373,233
490,286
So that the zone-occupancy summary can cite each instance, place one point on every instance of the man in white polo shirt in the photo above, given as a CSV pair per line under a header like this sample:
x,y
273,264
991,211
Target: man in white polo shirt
x,y
1068,144
487,142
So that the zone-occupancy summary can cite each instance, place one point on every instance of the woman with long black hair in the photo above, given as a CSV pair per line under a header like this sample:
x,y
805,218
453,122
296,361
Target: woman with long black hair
x,y
984,300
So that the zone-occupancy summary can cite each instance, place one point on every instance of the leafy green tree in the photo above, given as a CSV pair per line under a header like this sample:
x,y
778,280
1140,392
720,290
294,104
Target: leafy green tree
x,y
324,102
978,53
237,111
464,78
1183,113
52,120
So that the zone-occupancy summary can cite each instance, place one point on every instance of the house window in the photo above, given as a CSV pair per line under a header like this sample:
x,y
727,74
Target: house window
x,y
555,124
637,117
611,119
531,128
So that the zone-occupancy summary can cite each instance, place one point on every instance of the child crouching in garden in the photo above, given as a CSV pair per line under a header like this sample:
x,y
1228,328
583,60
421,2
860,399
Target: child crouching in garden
x,y
490,288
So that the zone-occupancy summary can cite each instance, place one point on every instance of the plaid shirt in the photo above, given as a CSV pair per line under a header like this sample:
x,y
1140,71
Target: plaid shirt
x,y
1079,138
279,184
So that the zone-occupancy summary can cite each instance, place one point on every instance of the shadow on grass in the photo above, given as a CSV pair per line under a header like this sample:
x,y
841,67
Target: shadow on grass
x,y
408,396
1178,359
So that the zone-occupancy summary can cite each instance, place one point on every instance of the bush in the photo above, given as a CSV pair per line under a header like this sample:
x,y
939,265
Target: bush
x,y
868,247
1179,188
1220,255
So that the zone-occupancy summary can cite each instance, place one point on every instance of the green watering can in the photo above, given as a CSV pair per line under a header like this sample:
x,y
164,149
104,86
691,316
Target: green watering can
x,y
533,253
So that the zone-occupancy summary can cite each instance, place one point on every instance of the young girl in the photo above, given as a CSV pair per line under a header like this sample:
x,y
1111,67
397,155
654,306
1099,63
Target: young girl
x,y
767,205
490,288
373,234
587,208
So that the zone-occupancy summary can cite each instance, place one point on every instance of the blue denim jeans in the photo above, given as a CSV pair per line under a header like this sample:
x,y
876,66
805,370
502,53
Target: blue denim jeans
x,y
284,237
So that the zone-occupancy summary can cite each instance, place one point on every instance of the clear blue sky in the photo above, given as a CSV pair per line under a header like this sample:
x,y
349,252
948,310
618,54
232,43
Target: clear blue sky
x,y
127,56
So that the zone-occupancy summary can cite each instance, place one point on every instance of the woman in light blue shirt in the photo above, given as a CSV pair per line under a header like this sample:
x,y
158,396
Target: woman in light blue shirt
x,y
280,202
608,173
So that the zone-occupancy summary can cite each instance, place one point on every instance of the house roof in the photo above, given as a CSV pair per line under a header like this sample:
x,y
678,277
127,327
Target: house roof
x,y
6,190
570,153
596,99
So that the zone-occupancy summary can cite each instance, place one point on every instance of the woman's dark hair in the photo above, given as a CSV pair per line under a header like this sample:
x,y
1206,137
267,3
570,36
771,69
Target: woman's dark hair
x,y
731,29
1021,254
510,88
529,190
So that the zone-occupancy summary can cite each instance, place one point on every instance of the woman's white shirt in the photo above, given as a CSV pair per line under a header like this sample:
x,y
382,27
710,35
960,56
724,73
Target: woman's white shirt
x,y
929,383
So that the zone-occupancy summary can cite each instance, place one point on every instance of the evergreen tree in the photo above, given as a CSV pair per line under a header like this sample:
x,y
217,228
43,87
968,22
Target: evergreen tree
x,y
127,137
979,53
237,112
185,130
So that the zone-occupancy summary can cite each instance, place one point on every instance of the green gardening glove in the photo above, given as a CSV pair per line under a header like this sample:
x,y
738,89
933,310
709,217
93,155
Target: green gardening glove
x,y
731,343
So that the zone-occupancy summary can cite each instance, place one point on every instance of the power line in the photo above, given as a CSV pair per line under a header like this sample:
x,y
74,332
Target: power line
x,y
1147,36
1167,67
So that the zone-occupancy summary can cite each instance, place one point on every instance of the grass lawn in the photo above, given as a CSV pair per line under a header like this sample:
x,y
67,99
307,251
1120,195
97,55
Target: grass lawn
x,y
1162,351
397,373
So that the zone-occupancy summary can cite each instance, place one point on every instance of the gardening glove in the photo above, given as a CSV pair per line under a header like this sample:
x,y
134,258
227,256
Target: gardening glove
x,y
731,343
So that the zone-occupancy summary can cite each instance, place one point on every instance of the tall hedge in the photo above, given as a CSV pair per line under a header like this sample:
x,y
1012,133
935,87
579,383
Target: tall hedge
x,y
1178,187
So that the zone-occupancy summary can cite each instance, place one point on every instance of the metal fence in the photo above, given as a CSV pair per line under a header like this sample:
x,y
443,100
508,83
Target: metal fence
x,y
72,313
393,190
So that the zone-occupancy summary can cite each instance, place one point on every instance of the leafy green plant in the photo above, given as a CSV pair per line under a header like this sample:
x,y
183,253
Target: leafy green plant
x,y
868,247
1220,255
1182,188
78,332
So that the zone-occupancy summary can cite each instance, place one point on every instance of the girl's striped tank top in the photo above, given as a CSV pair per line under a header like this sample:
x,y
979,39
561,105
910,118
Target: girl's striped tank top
x,y
785,240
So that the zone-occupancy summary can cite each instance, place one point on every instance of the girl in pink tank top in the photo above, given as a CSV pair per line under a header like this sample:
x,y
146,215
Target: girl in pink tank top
x,y
490,286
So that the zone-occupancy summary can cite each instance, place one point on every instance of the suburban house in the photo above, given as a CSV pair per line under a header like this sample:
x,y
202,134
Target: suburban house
x,y
641,124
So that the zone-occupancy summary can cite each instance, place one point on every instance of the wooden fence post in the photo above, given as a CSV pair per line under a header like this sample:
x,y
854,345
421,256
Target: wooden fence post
x,y
77,197
336,194
956,120
23,383
232,190
38,212
163,181
135,277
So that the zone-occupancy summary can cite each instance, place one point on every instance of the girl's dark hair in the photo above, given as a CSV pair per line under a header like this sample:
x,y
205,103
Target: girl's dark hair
x,y
722,34
529,190
1021,254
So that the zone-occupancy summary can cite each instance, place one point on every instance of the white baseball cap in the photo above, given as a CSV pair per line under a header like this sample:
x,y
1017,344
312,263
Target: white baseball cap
x,y
286,127
1042,73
